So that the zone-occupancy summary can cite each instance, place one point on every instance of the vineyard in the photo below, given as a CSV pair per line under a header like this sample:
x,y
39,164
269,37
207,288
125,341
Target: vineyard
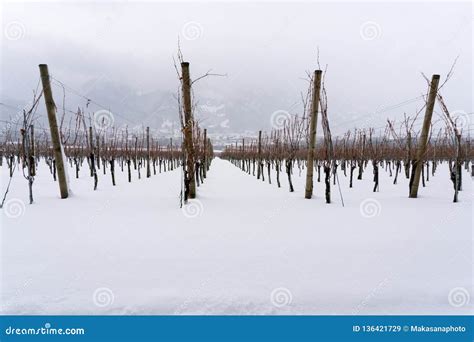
x,y
105,218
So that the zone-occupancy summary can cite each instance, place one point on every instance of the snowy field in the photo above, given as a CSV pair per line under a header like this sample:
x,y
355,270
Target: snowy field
x,y
243,247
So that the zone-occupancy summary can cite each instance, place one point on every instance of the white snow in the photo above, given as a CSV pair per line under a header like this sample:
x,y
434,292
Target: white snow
x,y
243,247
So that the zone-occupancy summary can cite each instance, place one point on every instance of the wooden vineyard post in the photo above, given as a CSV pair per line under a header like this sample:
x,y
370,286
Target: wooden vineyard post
x,y
32,151
422,143
92,157
188,129
53,126
457,168
243,154
97,142
312,133
148,172
91,150
259,155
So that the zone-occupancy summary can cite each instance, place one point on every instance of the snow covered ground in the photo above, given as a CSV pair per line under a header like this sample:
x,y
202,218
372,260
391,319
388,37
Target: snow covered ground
x,y
243,247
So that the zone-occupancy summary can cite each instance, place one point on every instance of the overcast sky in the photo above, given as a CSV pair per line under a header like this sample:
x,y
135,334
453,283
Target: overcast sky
x,y
374,51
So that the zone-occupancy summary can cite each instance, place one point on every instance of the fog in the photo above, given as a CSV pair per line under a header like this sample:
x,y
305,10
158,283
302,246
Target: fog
x,y
120,54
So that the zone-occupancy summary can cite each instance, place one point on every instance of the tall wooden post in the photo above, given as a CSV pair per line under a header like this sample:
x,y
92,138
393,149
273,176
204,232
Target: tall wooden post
x,y
91,139
259,155
148,172
204,166
407,162
91,151
188,128
312,133
92,157
242,159
32,151
53,126
97,142
457,168
423,141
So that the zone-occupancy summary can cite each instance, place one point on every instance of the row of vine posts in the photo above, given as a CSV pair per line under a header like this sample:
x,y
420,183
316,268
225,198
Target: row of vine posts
x,y
104,147
415,152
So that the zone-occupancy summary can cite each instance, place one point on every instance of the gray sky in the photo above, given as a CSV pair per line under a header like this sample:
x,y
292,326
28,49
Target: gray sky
x,y
374,52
